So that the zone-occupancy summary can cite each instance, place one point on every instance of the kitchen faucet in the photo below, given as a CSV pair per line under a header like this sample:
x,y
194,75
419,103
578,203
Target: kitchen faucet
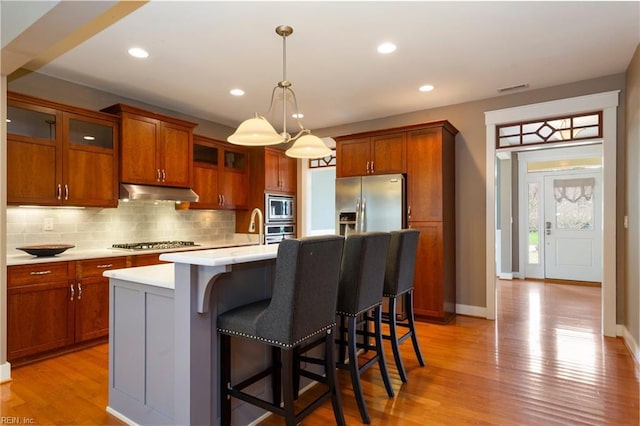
x,y
252,224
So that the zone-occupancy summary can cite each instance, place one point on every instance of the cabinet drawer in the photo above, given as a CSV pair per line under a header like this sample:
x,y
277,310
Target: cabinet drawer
x,y
40,273
95,267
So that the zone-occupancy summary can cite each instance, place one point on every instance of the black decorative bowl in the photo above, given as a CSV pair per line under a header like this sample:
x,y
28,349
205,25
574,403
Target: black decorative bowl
x,y
46,250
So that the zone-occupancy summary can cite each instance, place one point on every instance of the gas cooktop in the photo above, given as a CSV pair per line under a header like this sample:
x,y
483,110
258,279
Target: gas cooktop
x,y
154,245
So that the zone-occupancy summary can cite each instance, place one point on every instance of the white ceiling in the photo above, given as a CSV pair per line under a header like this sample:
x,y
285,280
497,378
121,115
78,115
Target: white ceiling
x,y
201,50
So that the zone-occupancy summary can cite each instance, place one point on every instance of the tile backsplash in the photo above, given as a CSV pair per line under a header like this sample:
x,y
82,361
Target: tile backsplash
x,y
96,228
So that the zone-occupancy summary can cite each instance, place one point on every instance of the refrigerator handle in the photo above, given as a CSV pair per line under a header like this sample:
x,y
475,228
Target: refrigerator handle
x,y
357,224
362,213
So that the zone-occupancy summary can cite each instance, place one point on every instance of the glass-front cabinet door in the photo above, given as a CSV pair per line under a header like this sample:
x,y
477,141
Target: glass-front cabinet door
x,y
34,155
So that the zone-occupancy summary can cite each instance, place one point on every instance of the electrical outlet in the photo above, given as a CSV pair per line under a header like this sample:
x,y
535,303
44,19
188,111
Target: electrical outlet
x,y
48,224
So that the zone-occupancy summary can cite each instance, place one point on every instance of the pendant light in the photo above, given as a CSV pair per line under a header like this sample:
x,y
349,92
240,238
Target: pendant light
x,y
257,131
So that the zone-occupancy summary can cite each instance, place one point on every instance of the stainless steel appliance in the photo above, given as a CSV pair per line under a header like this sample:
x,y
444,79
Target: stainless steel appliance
x,y
279,208
154,245
370,203
274,233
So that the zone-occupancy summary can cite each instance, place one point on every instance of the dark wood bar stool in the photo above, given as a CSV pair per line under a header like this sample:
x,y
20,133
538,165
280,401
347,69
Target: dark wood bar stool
x,y
398,282
302,308
360,301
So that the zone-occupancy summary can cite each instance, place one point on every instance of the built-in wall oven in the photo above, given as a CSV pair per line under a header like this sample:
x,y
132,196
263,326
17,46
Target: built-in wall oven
x,y
275,233
279,208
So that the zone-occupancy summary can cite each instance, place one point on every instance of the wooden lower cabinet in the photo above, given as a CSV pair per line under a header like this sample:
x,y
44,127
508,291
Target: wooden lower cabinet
x,y
39,318
435,274
92,297
54,306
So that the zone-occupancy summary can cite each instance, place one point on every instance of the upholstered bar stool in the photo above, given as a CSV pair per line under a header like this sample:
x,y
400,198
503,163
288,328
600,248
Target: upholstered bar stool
x,y
360,293
398,282
302,307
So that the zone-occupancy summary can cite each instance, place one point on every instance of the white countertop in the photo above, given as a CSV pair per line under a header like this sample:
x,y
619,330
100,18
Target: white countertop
x,y
156,275
223,256
76,254
163,275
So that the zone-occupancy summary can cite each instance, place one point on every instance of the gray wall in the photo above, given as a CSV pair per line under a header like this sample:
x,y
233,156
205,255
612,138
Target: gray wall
x,y
631,287
468,118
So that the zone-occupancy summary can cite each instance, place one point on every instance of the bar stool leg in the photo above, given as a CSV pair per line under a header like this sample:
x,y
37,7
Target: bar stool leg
x,y
382,362
276,375
225,379
332,379
355,370
287,387
412,327
395,346
342,348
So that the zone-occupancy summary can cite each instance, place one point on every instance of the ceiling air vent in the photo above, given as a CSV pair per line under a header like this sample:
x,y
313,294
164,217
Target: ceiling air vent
x,y
514,87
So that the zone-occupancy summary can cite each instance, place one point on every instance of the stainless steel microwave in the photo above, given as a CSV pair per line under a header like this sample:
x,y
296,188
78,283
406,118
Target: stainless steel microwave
x,y
279,208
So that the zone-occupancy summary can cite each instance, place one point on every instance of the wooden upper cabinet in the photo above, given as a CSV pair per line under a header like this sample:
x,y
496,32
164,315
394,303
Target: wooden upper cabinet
x,y
430,174
154,149
90,161
138,160
280,171
371,155
60,155
220,174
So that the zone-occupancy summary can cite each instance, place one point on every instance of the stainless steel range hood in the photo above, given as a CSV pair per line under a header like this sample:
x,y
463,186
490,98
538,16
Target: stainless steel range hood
x,y
149,192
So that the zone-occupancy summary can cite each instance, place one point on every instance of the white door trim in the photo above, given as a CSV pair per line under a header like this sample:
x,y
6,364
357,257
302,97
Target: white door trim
x,y
524,178
608,103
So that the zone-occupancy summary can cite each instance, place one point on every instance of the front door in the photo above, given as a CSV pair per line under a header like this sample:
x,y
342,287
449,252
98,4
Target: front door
x,y
572,228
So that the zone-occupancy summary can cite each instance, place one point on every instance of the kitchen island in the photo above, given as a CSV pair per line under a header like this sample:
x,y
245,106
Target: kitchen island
x,y
163,343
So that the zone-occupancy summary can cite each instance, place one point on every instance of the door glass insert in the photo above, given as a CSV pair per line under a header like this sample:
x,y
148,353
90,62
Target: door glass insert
x,y
205,154
533,252
574,203
92,134
35,124
234,160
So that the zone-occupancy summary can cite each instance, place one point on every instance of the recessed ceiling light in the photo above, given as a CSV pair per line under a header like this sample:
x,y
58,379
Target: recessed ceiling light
x,y
298,115
386,48
138,52
8,120
237,92
426,88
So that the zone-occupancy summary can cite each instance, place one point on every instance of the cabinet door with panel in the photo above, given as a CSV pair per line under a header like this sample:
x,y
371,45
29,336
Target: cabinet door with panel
x,y
233,178
92,297
430,280
174,155
40,308
352,157
425,175
34,153
388,154
280,171
90,172
138,149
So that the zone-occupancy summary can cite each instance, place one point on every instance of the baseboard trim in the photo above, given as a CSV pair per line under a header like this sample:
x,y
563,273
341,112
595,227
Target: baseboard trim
x,y
629,341
472,311
5,372
505,275
121,417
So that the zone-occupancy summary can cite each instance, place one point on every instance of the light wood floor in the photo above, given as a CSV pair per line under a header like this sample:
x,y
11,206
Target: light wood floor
x,y
543,362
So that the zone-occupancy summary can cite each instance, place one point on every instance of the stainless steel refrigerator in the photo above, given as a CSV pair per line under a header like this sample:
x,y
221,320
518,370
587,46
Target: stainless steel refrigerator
x,y
370,203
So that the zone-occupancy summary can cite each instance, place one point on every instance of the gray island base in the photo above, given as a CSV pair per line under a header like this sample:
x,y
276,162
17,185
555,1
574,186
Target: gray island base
x,y
163,345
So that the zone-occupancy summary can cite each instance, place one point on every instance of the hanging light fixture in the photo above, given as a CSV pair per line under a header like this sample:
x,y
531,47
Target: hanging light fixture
x,y
257,131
